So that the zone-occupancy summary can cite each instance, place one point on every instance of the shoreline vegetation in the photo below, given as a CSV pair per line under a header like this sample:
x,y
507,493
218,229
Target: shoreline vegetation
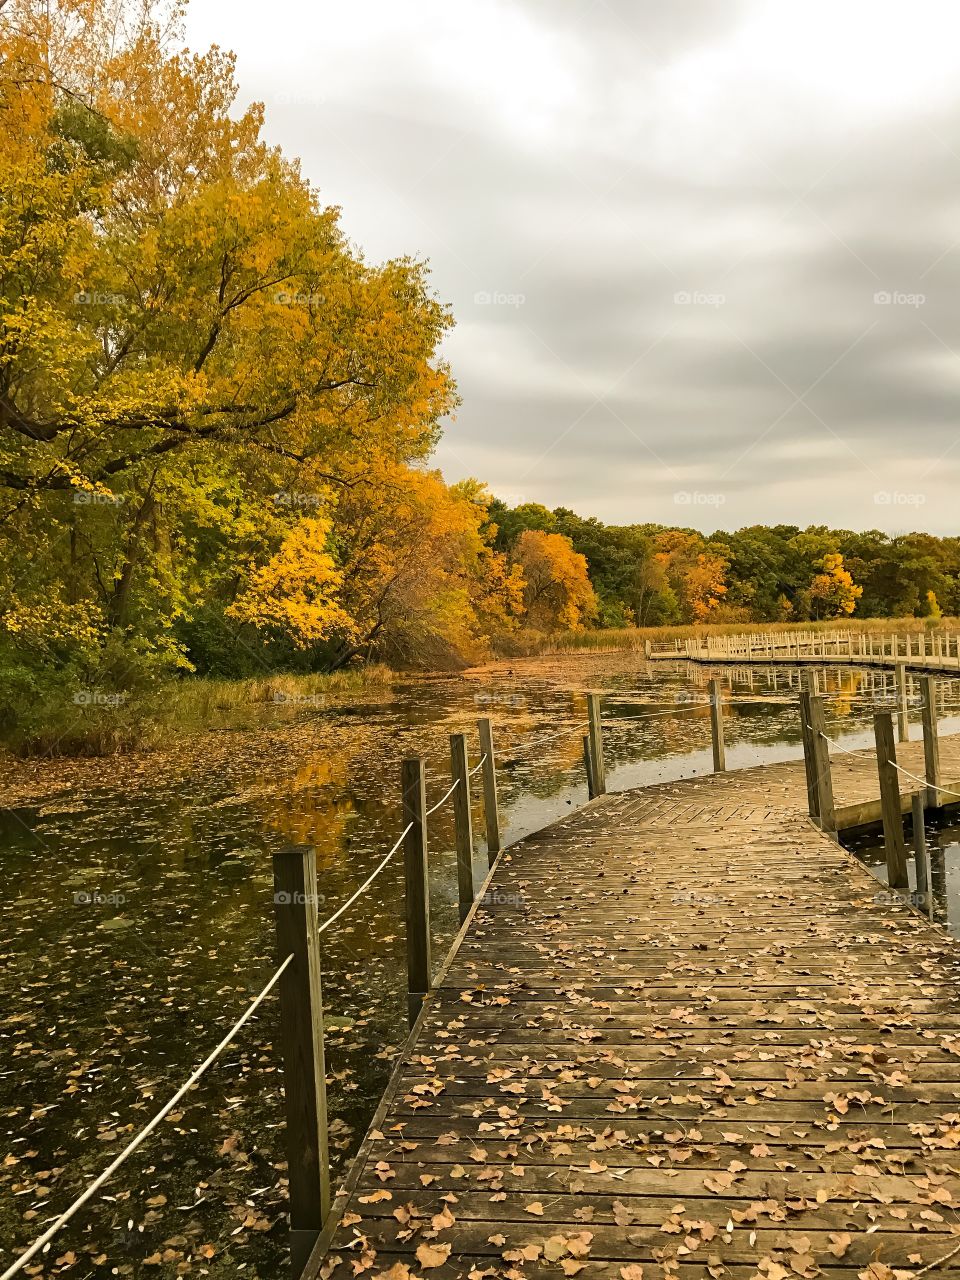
x,y
174,710
217,421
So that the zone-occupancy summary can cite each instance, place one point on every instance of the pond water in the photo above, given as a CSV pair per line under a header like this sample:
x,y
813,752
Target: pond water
x,y
136,917
943,843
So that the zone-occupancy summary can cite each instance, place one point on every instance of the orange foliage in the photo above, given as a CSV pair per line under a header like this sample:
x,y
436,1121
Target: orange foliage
x,y
695,572
557,592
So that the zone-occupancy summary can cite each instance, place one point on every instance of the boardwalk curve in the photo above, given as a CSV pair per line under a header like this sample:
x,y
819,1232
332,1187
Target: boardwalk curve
x,y
683,1031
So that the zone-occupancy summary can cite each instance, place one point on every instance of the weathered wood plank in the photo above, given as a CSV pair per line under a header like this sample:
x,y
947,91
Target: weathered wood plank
x,y
689,997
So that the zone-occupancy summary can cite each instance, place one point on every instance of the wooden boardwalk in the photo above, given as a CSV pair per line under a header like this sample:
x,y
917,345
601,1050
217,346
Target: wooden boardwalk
x,y
784,785
935,652
682,1031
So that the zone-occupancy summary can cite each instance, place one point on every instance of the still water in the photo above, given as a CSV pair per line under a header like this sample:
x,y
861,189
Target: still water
x,y
943,843
136,917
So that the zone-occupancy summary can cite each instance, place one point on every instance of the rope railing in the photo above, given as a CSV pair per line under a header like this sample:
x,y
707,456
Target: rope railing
x,y
366,884
863,718
42,1241
925,782
298,929
857,755
697,704
652,715
443,799
560,733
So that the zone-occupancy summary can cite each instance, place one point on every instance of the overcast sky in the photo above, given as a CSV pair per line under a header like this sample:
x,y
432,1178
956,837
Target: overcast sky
x,y
665,227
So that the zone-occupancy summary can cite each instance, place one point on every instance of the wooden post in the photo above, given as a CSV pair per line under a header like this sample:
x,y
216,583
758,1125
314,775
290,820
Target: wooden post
x,y
931,740
462,823
716,728
821,755
596,744
903,723
809,757
921,856
301,1039
588,766
414,789
890,800
647,648
491,813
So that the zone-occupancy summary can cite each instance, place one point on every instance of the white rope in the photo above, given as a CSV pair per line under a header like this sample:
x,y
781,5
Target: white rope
x,y
761,700
366,884
857,755
545,737
924,782
670,711
858,719
144,1133
443,799
479,765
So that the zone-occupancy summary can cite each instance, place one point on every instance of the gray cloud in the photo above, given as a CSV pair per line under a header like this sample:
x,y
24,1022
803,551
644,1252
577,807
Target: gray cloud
x,y
582,164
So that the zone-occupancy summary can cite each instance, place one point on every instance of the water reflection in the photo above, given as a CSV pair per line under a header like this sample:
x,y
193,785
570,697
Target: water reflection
x,y
137,923
943,842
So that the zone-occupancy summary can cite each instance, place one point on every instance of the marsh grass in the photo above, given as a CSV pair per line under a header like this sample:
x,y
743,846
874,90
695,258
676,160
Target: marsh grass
x,y
53,723
193,700
47,720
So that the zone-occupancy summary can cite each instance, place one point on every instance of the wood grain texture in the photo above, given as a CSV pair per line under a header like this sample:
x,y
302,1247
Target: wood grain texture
x,y
686,1031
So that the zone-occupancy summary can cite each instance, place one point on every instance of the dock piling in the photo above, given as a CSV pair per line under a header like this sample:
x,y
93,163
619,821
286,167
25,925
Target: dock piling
x,y
462,822
716,728
924,898
826,811
588,767
890,800
491,812
903,722
598,768
809,756
931,740
417,890
296,921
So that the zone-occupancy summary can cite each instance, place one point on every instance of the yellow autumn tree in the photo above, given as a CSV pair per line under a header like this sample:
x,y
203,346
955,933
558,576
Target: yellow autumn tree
x,y
931,607
421,581
296,593
696,572
184,330
557,592
832,592
402,569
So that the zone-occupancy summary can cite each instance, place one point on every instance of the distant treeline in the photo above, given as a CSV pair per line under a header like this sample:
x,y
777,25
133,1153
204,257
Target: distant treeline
x,y
217,419
655,575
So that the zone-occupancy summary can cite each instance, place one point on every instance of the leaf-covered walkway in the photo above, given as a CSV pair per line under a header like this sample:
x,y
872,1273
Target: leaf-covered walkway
x,y
683,1032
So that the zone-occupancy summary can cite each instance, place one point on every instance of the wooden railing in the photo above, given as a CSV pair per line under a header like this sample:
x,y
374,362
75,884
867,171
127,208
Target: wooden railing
x,y
299,929
940,647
